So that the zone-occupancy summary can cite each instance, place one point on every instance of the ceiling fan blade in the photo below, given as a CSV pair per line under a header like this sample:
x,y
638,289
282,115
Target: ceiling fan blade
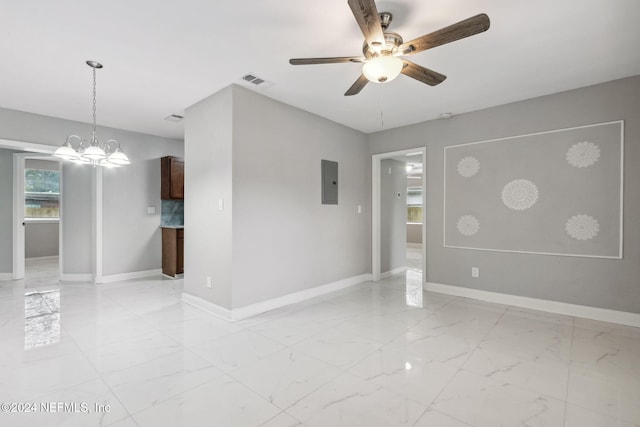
x,y
420,73
357,86
332,60
468,27
368,20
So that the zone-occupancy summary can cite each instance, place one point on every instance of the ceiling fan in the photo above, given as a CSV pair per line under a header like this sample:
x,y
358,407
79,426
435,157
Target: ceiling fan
x,y
382,49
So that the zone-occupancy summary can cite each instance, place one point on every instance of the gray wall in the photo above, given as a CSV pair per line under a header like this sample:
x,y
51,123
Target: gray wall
x,y
393,215
77,248
414,233
284,239
611,284
126,190
6,211
262,158
41,239
208,162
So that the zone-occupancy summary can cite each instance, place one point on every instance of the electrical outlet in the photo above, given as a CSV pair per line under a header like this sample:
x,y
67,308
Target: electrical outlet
x,y
209,282
475,272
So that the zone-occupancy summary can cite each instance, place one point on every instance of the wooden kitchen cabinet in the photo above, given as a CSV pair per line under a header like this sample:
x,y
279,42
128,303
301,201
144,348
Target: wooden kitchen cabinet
x,y
172,173
172,251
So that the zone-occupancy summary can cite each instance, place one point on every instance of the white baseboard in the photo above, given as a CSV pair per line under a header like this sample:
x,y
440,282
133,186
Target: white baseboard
x,y
75,277
6,276
130,276
594,313
414,245
272,304
392,272
207,306
177,276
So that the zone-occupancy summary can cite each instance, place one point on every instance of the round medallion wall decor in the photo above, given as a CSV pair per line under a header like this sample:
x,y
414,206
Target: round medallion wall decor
x,y
583,154
520,194
468,225
468,167
582,227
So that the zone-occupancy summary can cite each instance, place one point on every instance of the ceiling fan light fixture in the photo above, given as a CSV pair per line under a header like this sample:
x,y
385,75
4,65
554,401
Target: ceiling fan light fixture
x,y
382,69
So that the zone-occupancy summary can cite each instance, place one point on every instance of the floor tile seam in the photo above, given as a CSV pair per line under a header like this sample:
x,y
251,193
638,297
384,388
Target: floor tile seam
x,y
604,414
152,359
173,395
101,377
521,356
226,369
431,408
462,364
225,335
481,340
437,395
135,338
324,329
130,418
184,392
277,415
332,378
566,396
375,385
313,357
517,386
343,368
57,389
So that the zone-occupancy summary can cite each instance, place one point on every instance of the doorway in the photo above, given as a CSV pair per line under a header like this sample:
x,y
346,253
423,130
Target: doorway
x,y
399,214
41,219
42,266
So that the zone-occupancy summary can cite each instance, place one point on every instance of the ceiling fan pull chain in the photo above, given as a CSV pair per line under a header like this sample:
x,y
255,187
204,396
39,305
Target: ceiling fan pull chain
x,y
382,107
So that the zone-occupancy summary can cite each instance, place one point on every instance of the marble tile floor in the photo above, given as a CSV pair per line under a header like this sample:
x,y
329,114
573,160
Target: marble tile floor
x,y
377,354
414,258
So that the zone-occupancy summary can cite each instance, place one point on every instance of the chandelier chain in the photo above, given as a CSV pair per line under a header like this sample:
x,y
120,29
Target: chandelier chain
x,y
94,100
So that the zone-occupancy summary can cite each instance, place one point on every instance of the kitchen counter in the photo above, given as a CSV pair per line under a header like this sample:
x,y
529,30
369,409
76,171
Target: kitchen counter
x,y
178,227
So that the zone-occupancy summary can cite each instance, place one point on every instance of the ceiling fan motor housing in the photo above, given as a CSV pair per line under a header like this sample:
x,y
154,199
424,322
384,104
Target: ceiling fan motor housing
x,y
391,43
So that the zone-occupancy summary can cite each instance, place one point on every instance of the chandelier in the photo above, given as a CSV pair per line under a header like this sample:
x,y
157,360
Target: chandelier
x,y
107,154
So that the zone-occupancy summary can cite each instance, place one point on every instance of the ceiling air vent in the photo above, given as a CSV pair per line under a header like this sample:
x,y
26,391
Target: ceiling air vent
x,y
174,118
254,80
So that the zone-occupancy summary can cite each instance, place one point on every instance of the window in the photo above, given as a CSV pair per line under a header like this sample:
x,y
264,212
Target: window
x,y
41,194
414,205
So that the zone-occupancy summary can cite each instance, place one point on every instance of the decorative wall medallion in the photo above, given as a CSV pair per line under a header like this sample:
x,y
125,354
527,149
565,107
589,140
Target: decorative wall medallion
x,y
583,154
468,167
468,225
520,194
582,227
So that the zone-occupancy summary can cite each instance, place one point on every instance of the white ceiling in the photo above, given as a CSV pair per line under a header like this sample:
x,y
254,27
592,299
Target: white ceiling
x,y
161,57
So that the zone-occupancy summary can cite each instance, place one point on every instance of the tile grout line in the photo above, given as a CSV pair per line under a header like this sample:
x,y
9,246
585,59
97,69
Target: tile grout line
x,y
506,308
566,396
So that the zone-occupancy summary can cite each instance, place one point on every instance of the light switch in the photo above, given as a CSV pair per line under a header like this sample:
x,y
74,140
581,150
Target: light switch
x,y
151,210
359,209
220,204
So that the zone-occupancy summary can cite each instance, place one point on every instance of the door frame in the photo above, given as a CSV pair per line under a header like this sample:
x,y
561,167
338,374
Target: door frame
x,y
35,151
376,160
